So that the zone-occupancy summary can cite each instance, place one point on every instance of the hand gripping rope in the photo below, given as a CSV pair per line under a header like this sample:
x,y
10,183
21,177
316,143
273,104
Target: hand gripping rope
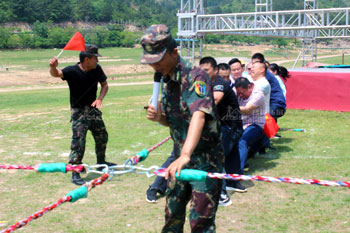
x,y
83,190
198,175
128,167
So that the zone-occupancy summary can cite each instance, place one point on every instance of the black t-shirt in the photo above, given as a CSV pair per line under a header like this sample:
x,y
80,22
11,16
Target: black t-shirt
x,y
83,85
227,108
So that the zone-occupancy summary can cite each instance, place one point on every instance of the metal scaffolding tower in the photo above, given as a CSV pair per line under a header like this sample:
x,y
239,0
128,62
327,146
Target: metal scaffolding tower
x,y
309,24
310,4
187,26
309,46
263,5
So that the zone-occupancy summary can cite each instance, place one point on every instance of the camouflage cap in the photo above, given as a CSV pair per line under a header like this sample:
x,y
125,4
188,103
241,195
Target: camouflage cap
x,y
91,49
155,42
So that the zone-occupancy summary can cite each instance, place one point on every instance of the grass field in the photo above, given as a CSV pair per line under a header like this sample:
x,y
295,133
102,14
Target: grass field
x,y
35,128
36,60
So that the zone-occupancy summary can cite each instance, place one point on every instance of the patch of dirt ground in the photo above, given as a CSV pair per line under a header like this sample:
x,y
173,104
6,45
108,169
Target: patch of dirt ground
x,y
13,77
16,75
228,47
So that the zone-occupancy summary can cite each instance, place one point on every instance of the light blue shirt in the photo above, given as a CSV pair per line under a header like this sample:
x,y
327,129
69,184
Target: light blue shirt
x,y
283,87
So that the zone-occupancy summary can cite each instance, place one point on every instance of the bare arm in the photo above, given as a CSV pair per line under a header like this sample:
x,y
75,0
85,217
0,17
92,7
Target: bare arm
x,y
53,68
218,96
193,135
104,89
248,109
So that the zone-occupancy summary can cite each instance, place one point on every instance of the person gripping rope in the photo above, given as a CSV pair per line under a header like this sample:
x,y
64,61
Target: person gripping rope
x,y
230,119
82,79
187,108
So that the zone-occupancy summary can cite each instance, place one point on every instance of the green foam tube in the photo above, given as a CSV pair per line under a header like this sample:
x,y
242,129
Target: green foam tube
x,y
52,167
192,175
78,193
143,154
298,130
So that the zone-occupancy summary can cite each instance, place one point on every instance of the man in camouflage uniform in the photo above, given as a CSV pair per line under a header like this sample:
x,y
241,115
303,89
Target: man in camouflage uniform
x,y
187,107
82,80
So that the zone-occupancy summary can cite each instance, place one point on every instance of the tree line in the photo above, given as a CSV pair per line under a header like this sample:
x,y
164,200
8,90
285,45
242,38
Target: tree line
x,y
46,35
44,16
142,12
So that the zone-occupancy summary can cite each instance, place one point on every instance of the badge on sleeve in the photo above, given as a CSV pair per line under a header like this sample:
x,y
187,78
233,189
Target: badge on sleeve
x,y
200,88
218,88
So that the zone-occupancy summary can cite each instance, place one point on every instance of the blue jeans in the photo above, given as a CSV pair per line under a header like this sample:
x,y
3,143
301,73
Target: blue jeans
x,y
230,139
160,184
253,137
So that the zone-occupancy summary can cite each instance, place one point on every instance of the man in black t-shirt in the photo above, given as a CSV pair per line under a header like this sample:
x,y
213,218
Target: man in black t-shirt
x,y
82,79
231,122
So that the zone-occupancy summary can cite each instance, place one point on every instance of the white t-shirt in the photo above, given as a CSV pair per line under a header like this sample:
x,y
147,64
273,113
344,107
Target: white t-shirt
x,y
245,75
265,87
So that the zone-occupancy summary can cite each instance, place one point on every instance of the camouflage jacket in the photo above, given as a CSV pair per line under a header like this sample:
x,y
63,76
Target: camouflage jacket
x,y
190,90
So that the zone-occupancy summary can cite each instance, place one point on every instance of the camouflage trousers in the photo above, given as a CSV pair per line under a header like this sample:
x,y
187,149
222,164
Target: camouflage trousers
x,y
204,198
84,119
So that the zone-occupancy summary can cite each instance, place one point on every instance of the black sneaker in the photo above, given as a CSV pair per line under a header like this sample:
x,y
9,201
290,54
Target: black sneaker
x,y
109,164
76,179
151,196
251,154
262,151
277,136
224,200
236,186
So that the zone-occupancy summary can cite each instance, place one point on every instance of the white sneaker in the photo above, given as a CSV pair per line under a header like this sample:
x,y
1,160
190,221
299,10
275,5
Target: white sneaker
x,y
224,200
236,187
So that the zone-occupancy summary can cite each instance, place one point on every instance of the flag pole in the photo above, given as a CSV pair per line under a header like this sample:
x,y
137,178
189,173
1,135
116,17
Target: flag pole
x,y
60,53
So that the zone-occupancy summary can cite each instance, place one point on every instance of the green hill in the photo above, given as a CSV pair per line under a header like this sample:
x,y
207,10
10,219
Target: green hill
x,y
139,12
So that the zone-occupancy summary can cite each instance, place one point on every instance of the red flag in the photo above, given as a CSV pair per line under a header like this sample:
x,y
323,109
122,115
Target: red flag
x,y
270,127
77,43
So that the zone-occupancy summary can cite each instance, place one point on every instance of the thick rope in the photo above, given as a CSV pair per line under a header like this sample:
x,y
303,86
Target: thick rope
x,y
74,168
43,167
21,167
280,180
68,198
189,175
36,215
158,144
77,194
142,155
